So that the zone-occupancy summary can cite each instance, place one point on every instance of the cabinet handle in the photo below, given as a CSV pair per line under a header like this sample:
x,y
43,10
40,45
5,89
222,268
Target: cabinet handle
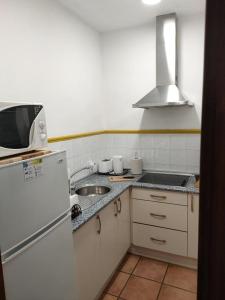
x,y
157,241
100,224
161,217
158,197
192,203
120,205
116,205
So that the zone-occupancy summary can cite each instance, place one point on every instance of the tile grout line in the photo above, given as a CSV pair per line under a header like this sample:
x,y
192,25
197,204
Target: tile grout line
x,y
162,282
130,274
118,297
179,288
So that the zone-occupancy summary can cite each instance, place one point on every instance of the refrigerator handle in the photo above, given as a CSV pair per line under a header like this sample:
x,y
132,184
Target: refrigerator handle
x,y
34,238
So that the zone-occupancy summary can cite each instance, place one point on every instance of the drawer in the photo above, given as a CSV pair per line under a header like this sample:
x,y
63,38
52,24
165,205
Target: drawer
x,y
160,196
161,239
160,214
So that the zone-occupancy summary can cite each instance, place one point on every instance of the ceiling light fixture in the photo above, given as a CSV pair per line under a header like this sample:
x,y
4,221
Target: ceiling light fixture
x,y
151,2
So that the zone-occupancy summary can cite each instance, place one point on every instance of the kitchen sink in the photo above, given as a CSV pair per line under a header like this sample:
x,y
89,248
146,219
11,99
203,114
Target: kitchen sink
x,y
92,190
90,194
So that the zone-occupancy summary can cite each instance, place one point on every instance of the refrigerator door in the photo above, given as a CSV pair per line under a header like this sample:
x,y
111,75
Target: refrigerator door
x,y
33,193
44,268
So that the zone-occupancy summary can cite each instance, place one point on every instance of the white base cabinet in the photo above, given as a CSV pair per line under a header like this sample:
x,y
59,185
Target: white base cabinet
x,y
193,219
100,245
161,239
166,221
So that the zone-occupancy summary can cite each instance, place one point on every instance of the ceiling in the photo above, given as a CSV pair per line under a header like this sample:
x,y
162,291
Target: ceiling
x,y
107,15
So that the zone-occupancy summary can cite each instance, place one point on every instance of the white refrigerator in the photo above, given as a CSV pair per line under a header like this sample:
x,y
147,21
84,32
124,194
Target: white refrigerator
x,y
35,229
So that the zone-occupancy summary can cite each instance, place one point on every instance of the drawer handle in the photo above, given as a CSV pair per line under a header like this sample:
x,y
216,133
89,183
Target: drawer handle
x,y
158,197
157,241
192,203
120,205
116,208
161,217
100,224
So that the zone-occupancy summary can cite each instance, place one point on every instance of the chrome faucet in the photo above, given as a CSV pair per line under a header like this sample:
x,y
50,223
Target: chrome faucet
x,y
90,166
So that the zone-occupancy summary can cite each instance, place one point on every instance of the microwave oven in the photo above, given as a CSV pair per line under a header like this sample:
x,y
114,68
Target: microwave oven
x,y
22,128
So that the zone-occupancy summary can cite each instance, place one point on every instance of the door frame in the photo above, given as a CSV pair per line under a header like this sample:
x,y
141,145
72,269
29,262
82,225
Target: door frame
x,y
2,289
211,276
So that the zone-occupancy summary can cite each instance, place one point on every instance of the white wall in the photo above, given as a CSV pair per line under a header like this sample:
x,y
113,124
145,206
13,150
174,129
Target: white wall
x,y
130,73
48,55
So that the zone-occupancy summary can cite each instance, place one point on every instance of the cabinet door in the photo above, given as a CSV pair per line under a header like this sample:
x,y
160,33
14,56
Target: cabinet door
x,y
108,241
193,219
86,249
124,224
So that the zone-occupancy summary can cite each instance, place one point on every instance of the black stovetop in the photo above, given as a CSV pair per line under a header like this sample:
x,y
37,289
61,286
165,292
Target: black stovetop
x,y
165,179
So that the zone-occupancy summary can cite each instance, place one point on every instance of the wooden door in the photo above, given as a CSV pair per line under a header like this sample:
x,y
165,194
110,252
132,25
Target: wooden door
x,y
2,290
211,277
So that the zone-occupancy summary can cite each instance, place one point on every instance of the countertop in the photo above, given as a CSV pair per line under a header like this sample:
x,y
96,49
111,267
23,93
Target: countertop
x,y
117,188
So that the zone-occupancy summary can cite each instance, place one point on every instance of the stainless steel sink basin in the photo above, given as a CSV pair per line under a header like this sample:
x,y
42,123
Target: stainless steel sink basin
x,y
92,190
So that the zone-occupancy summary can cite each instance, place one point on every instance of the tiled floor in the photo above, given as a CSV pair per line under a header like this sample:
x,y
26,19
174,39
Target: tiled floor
x,y
141,278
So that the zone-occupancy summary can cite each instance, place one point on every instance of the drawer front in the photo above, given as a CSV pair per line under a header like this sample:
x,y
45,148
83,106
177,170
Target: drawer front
x,y
160,196
160,214
161,239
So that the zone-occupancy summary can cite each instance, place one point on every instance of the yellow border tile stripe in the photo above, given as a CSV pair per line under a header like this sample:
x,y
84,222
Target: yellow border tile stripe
x,y
144,131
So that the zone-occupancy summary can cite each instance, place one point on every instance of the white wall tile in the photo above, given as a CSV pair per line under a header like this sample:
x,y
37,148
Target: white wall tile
x,y
194,142
178,142
174,152
161,141
178,157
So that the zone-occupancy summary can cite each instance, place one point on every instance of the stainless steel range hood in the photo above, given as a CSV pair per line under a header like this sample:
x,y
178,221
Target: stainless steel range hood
x,y
166,92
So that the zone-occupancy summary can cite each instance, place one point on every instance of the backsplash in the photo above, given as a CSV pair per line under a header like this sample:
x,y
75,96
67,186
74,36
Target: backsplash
x,y
168,152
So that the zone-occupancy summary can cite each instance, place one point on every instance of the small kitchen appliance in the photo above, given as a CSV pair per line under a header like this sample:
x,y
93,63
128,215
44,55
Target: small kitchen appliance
x,y
118,164
105,166
22,128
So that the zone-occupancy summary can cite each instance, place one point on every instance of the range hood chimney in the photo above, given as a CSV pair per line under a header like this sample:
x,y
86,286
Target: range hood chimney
x,y
166,92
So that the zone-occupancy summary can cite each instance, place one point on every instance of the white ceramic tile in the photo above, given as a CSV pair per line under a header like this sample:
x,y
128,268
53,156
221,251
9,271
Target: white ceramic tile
x,y
146,141
161,167
194,141
178,142
193,157
162,152
161,156
178,157
179,168
161,141
148,158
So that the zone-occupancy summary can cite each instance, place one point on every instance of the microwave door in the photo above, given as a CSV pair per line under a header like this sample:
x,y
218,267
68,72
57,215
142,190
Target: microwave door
x,y
23,125
17,126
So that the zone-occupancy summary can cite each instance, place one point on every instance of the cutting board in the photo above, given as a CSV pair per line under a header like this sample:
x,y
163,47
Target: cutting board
x,y
16,158
120,178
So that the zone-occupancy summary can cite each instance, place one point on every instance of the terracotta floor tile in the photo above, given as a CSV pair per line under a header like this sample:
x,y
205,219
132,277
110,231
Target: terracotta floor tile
x,y
109,297
118,284
182,278
171,293
130,263
140,289
151,269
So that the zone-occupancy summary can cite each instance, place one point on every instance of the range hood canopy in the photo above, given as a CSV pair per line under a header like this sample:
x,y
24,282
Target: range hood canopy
x,y
166,92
